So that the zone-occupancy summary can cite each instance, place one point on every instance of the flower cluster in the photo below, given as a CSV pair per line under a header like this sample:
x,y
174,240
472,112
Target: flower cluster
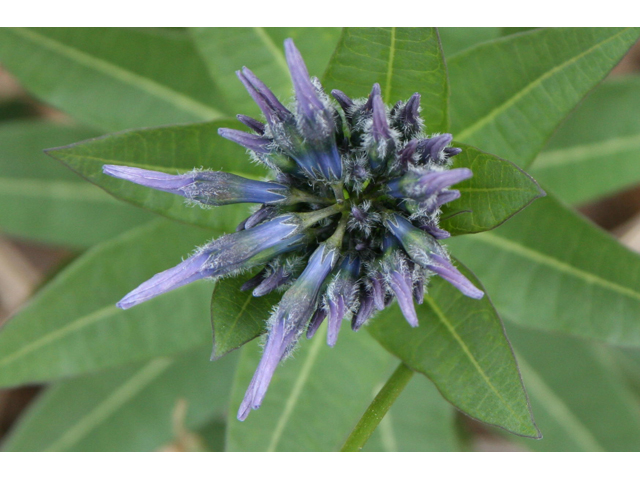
x,y
348,221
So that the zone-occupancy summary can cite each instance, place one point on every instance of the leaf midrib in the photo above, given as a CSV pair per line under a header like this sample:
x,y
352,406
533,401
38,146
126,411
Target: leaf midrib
x,y
554,263
482,121
177,99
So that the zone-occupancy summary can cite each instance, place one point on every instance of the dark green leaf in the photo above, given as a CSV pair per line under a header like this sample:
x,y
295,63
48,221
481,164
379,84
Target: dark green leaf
x,y
402,60
315,399
577,395
226,50
41,200
113,78
174,149
128,409
497,191
419,421
461,346
236,316
550,269
509,95
597,150
72,326
456,39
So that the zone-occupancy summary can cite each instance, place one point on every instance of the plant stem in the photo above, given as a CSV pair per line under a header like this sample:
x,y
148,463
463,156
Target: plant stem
x,y
378,409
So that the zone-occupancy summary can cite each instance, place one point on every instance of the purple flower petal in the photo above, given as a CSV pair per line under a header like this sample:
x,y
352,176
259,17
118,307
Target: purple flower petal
x,y
401,285
149,178
252,123
446,270
247,140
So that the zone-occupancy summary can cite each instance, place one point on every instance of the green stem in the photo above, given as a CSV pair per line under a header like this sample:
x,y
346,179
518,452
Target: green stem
x,y
378,409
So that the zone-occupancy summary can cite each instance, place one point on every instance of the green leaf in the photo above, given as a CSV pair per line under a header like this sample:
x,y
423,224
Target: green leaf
x,y
238,317
43,201
456,39
597,150
72,325
227,50
509,95
548,268
402,60
576,393
127,409
113,78
461,346
173,149
419,421
314,400
497,191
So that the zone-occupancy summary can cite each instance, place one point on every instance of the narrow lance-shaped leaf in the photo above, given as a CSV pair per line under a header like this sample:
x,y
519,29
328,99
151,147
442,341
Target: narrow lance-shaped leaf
x,y
226,50
509,95
461,346
237,316
113,78
549,268
174,149
72,325
43,201
498,190
402,60
126,409
577,395
314,400
597,150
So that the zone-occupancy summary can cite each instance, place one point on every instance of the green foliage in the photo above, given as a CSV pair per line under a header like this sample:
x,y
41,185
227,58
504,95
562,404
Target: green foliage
x,y
41,200
596,151
237,317
72,325
113,78
550,269
402,60
104,412
497,191
577,395
547,268
461,346
509,95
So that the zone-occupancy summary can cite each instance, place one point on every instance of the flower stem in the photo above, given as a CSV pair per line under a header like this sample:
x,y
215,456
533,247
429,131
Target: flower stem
x,y
378,409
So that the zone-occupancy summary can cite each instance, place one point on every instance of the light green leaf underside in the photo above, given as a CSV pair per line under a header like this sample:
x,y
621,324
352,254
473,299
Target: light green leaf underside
x,y
226,50
497,191
550,269
173,149
314,400
460,345
402,60
577,395
113,78
41,200
72,326
597,150
509,95
126,409
456,39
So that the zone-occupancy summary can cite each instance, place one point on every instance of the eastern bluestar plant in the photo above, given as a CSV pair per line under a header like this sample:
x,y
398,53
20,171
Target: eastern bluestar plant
x,y
348,220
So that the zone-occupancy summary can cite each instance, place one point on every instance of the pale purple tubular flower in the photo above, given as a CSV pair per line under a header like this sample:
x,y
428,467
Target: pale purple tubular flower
x,y
381,143
271,107
252,123
288,323
399,278
421,186
247,140
207,188
446,270
341,295
276,278
365,311
407,119
345,102
315,322
225,255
